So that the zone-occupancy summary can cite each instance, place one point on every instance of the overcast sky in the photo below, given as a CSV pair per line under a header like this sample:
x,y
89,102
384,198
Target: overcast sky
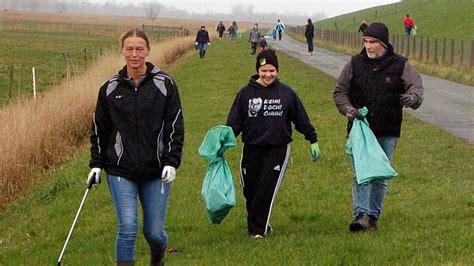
x,y
302,7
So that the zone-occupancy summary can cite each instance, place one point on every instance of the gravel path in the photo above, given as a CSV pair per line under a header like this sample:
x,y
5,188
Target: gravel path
x,y
447,105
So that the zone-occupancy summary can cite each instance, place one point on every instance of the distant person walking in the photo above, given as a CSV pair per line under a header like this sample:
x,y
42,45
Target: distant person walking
x,y
202,41
363,26
274,34
263,111
409,23
280,28
309,34
232,30
220,29
262,44
137,137
384,82
254,37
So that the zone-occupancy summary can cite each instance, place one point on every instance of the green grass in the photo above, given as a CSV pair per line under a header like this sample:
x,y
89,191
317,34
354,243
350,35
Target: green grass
x,y
434,18
25,46
427,219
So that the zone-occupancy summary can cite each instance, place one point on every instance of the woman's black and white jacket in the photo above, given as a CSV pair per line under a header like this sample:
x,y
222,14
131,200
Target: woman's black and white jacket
x,y
136,131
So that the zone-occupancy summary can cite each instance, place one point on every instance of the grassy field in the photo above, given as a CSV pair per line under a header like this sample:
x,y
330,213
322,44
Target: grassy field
x,y
428,215
42,45
434,18
41,40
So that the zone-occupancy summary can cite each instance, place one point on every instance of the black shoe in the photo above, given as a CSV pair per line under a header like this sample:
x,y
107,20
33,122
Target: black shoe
x,y
373,223
360,223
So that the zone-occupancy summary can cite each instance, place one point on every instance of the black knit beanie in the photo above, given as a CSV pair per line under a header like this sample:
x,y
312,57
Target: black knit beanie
x,y
379,32
267,57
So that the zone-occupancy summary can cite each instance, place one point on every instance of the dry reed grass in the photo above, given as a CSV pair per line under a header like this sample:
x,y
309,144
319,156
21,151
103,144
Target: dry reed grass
x,y
39,134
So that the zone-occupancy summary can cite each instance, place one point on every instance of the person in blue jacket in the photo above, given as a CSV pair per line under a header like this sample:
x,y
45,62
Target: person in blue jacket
x,y
280,28
137,137
263,112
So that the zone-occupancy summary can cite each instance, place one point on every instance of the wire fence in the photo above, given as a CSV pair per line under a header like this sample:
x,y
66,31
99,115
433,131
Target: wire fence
x,y
16,79
442,51
157,33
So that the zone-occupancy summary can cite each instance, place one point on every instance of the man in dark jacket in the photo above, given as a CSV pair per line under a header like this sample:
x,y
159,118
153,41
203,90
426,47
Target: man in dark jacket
x,y
309,34
384,82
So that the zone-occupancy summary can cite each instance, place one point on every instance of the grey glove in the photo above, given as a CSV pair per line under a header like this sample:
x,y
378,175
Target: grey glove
x,y
407,100
352,113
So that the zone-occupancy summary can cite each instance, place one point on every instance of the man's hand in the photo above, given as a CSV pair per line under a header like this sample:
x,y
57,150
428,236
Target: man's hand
x,y
352,113
407,100
93,179
315,153
168,174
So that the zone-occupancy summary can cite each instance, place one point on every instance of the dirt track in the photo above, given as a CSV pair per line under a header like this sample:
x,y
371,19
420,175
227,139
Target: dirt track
x,y
447,105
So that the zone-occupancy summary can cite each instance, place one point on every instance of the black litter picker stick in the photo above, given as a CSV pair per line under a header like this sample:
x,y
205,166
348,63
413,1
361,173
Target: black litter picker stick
x,y
74,224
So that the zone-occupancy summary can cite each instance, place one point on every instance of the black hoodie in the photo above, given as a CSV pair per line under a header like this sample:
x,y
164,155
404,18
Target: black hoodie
x,y
264,114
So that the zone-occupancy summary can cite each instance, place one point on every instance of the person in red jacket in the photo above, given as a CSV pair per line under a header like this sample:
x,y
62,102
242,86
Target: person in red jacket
x,y
409,24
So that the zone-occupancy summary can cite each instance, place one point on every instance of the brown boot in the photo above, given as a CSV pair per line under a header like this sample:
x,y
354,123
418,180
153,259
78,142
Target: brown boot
x,y
158,260
125,263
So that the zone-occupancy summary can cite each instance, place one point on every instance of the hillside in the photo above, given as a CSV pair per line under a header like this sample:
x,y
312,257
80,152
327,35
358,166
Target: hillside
x,y
434,18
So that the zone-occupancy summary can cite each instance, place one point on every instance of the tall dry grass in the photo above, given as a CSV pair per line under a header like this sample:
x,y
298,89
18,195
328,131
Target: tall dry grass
x,y
39,134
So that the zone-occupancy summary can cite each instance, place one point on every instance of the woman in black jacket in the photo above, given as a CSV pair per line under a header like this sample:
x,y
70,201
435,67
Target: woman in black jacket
x,y
137,137
202,41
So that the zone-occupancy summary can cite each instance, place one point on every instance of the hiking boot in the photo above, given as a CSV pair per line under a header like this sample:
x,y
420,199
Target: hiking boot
x,y
360,223
158,259
373,223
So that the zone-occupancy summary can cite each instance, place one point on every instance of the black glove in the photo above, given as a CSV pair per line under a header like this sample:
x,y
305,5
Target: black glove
x,y
407,100
352,113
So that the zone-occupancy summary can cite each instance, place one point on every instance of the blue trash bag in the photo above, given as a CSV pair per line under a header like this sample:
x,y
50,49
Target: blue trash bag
x,y
370,160
218,191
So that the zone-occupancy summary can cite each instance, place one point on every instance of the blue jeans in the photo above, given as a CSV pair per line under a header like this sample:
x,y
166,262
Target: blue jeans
x,y
309,41
153,196
202,46
368,198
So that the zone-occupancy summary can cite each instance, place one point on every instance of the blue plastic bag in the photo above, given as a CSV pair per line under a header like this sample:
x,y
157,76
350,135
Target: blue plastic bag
x,y
370,160
218,191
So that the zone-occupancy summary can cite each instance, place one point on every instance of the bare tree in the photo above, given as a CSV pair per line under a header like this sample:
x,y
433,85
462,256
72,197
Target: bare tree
x,y
152,9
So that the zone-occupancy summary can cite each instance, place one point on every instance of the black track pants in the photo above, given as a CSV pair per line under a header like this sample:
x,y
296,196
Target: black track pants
x,y
262,169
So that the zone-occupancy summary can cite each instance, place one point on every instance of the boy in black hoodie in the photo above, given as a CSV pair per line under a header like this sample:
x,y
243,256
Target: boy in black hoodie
x,y
263,111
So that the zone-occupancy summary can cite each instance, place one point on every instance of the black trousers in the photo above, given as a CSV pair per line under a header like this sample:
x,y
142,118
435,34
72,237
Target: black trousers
x,y
261,171
253,47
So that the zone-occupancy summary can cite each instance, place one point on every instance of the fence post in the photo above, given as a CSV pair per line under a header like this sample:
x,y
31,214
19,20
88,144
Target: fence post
x,y
443,58
403,46
10,84
85,58
414,46
436,50
34,82
472,53
451,62
461,54
428,48
420,57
